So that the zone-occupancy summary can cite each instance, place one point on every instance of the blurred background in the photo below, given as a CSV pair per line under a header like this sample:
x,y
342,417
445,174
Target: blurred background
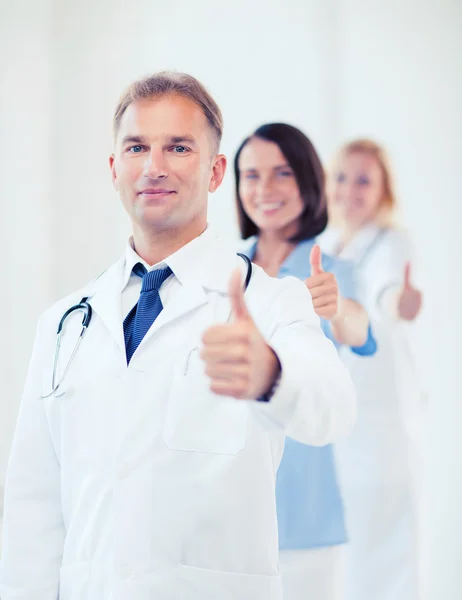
x,y
337,69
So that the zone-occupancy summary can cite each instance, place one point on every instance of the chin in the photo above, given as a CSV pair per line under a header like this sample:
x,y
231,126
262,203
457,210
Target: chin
x,y
153,214
273,222
353,216
153,224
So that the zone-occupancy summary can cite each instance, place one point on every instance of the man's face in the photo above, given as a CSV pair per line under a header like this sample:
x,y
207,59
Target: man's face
x,y
165,164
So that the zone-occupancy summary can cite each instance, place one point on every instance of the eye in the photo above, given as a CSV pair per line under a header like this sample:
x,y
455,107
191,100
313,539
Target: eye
x,y
135,149
363,180
180,149
340,178
284,174
251,176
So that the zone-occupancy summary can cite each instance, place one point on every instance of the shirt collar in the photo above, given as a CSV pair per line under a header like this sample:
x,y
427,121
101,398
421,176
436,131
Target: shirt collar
x,y
188,263
131,258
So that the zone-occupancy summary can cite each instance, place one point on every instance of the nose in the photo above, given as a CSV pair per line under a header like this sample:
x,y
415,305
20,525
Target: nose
x,y
347,189
264,188
155,166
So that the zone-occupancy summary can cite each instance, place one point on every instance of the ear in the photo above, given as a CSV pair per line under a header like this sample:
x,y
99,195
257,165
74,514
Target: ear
x,y
113,172
218,172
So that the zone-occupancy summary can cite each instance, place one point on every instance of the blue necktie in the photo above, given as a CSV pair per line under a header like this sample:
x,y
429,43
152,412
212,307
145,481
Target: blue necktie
x,y
145,312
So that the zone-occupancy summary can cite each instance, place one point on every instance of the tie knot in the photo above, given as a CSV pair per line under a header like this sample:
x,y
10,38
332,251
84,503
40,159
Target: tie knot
x,y
151,280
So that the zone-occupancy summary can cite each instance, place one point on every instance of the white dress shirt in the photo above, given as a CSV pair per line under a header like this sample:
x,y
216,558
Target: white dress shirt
x,y
179,262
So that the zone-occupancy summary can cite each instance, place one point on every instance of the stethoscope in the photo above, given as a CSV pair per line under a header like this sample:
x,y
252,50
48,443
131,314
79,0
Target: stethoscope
x,y
85,307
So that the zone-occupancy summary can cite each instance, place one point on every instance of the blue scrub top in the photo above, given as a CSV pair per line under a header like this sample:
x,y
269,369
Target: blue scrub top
x,y
309,505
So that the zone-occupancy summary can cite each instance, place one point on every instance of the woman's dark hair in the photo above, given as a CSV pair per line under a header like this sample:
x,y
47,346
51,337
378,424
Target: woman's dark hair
x,y
309,174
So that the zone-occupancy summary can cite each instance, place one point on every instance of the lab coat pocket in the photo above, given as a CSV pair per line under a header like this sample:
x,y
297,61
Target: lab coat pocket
x,y
198,420
207,584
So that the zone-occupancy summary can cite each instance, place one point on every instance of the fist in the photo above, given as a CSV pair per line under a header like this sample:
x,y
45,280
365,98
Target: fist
x,y
323,288
410,299
237,359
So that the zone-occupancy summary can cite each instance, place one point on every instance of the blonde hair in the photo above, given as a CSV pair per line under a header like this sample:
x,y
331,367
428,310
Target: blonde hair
x,y
164,83
388,204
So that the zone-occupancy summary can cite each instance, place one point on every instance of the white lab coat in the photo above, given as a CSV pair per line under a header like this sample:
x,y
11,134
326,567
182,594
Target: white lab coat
x,y
379,463
139,483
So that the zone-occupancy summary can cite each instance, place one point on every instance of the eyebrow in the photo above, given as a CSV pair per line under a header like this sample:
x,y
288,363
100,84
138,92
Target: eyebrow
x,y
133,139
176,139
277,168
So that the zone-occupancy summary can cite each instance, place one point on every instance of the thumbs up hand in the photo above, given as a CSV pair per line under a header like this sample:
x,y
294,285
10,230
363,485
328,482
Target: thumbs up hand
x,y
410,299
237,359
323,288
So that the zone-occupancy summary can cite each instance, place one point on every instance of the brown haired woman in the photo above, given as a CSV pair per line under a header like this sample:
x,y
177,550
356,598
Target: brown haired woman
x,y
282,207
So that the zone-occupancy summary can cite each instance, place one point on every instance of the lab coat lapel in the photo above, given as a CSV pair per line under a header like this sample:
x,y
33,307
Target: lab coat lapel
x,y
207,278
210,274
187,299
356,249
106,301
359,245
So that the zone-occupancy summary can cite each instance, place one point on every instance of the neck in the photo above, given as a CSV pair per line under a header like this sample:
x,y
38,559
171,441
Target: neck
x,y
348,232
154,246
272,250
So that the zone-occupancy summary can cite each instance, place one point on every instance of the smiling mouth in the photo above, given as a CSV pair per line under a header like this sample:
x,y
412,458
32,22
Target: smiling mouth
x,y
353,204
155,192
270,206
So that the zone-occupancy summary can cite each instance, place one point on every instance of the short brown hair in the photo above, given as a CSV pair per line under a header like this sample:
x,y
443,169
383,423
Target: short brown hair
x,y
164,83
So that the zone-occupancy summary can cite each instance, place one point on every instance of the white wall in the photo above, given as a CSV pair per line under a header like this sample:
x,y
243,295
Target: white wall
x,y
251,72
336,68
25,227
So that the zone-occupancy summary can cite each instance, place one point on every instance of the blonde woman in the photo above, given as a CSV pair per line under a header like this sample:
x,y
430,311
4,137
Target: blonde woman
x,y
378,464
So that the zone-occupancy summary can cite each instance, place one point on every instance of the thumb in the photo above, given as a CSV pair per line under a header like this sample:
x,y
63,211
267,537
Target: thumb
x,y
236,296
407,276
316,260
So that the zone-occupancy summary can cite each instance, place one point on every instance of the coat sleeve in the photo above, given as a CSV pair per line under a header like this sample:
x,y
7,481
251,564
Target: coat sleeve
x,y
33,531
390,259
315,400
346,275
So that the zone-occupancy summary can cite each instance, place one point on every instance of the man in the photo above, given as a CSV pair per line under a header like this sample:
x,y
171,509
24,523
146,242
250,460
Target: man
x,y
150,472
